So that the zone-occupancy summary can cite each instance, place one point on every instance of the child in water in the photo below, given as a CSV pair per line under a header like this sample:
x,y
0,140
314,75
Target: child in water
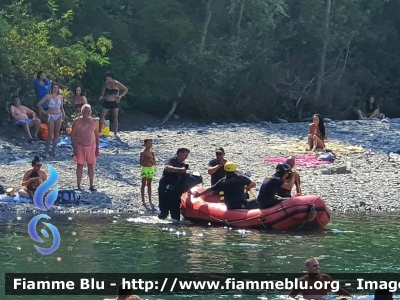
x,y
147,168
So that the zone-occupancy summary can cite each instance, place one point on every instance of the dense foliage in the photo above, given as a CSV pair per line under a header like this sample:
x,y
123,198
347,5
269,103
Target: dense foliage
x,y
232,59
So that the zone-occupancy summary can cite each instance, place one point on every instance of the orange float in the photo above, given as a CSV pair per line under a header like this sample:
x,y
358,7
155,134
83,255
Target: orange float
x,y
308,210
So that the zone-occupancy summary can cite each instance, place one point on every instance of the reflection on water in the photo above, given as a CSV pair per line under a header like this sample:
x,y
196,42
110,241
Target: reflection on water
x,y
121,244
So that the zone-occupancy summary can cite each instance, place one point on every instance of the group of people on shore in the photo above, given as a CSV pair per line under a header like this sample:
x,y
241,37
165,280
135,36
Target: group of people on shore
x,y
224,178
85,130
85,141
50,106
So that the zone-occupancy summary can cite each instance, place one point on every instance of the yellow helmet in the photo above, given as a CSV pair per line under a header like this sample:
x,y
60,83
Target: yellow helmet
x,y
230,166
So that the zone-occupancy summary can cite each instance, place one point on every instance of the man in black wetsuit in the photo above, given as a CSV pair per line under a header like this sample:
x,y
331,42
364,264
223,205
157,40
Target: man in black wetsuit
x,y
268,195
169,193
233,186
216,166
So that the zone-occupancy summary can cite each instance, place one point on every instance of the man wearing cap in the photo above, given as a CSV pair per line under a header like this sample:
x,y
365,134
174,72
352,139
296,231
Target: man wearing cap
x,y
216,166
268,195
282,192
232,186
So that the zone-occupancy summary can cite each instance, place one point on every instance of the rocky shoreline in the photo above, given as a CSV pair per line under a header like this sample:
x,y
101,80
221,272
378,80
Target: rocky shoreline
x,y
372,184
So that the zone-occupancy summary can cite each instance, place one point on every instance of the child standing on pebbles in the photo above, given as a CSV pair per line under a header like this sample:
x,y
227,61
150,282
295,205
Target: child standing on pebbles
x,y
147,168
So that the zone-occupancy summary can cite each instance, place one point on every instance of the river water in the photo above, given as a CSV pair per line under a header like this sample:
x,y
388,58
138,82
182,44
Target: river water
x,y
119,244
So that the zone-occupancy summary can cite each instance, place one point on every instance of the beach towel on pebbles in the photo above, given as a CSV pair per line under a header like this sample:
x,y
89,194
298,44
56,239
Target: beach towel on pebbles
x,y
299,147
309,161
16,198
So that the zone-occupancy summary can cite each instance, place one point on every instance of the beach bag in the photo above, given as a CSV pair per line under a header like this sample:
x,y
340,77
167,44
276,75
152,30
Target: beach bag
x,y
68,196
44,132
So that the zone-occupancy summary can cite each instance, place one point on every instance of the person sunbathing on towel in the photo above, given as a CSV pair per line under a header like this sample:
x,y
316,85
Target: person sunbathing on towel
x,y
32,179
268,195
316,134
282,192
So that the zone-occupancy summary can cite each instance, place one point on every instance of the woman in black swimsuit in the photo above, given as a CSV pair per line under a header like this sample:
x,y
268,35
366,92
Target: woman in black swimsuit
x,y
111,96
371,110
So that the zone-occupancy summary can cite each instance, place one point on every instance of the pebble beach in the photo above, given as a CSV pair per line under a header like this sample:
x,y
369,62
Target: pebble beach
x,y
371,182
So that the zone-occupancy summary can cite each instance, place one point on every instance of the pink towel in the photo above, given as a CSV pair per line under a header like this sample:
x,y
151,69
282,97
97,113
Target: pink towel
x,y
310,161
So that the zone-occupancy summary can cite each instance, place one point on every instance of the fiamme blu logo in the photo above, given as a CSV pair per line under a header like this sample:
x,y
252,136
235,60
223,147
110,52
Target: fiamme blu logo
x,y
49,200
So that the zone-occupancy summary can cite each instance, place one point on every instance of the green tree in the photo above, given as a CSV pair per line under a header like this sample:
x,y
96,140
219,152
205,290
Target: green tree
x,y
32,44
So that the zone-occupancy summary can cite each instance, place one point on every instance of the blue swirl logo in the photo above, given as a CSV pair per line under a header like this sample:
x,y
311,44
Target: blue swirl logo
x,y
49,200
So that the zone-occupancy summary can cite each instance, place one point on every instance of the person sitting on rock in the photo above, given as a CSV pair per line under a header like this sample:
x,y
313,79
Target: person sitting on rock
x,y
30,182
25,117
268,195
232,186
216,166
316,134
371,110
282,192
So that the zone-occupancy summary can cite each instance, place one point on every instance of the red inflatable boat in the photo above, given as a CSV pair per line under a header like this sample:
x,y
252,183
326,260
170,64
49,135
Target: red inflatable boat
x,y
309,210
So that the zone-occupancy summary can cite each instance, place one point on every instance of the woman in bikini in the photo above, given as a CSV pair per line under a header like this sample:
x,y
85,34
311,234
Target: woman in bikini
x,y
316,134
32,179
112,97
79,100
55,114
